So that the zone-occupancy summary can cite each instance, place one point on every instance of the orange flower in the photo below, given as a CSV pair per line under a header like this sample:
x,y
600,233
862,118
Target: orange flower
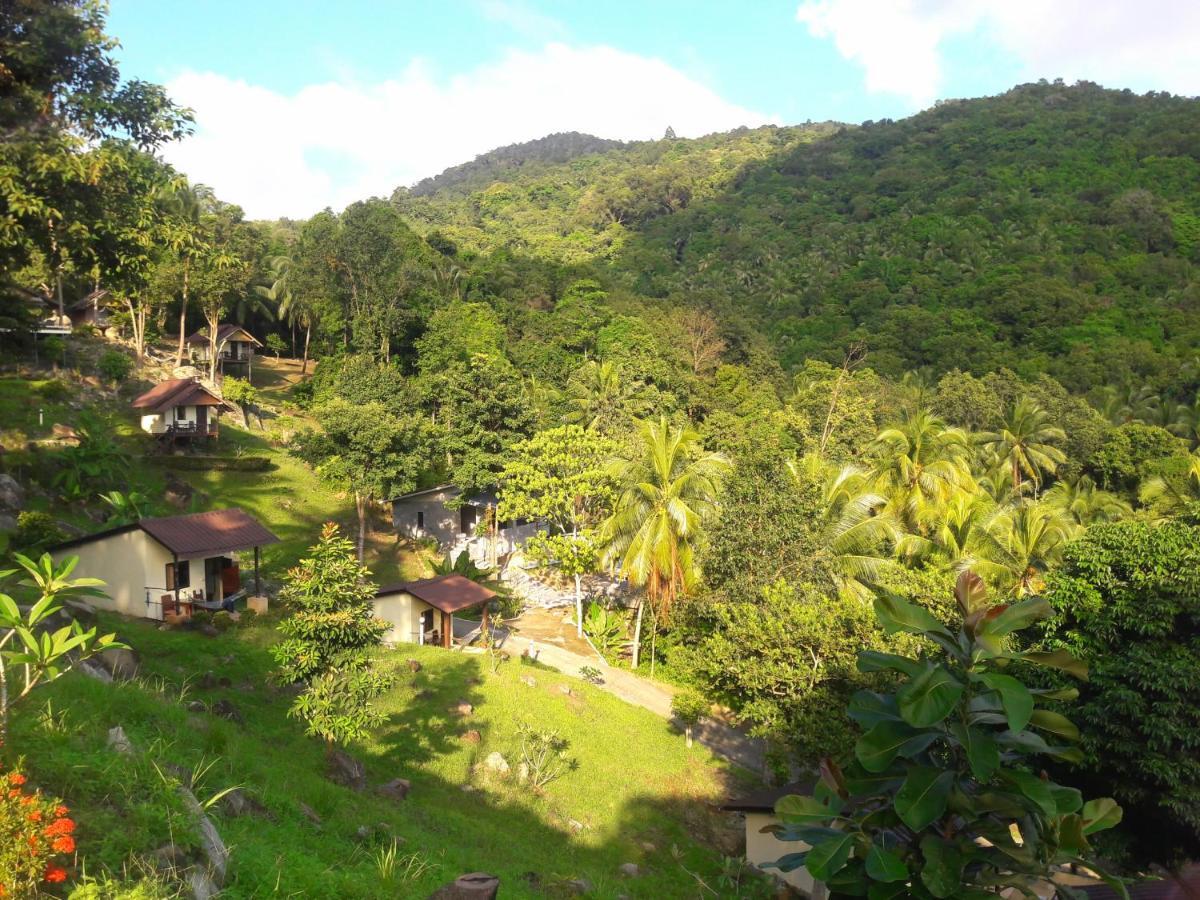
x,y
61,811
64,844
16,778
13,793
55,874
61,826
35,816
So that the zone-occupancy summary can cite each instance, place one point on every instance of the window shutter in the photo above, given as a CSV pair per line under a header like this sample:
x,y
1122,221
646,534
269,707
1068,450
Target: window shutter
x,y
170,576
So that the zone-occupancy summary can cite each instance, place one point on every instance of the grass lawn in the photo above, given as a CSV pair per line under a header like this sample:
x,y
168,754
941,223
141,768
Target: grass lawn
x,y
635,783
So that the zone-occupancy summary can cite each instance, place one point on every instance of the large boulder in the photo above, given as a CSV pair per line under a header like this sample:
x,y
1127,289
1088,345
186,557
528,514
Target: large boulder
x,y
121,663
495,762
396,789
240,803
12,495
347,771
473,886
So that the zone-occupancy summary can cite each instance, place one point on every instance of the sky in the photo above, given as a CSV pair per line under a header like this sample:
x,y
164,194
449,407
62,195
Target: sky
x,y
307,104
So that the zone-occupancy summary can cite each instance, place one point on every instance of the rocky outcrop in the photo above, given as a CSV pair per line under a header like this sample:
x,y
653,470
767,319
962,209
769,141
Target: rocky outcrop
x,y
473,886
345,770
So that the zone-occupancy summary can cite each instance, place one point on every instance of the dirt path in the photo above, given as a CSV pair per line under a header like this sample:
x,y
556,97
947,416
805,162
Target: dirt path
x,y
547,638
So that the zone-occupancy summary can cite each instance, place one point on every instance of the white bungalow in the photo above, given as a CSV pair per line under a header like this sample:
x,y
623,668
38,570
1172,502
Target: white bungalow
x,y
182,408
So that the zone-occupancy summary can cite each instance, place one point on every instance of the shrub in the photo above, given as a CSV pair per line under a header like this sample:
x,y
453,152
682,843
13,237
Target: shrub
x,y
222,621
54,391
945,795
35,836
544,754
35,532
276,345
605,628
689,707
114,366
53,349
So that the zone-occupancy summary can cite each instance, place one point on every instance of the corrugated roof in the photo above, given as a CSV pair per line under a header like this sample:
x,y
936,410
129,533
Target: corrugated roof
x,y
764,800
176,392
449,593
224,333
193,536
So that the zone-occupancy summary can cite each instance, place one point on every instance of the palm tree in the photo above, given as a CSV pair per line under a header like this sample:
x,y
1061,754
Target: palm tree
x,y
1086,503
294,308
186,204
1169,495
1019,543
953,540
857,531
918,465
599,396
669,491
1025,443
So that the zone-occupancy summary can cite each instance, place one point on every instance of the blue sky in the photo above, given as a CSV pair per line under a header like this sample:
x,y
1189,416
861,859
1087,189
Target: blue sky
x,y
306,104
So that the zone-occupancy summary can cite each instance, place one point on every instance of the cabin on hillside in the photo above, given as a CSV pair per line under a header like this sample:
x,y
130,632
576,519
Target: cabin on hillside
x,y
180,409
90,310
171,565
422,611
235,347
763,848
454,521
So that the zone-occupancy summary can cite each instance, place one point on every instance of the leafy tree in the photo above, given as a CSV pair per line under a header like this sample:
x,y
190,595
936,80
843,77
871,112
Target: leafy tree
x,y
560,476
114,365
31,654
668,493
1025,443
124,508
601,400
943,797
1133,452
919,464
1170,493
1084,502
1128,596
242,394
1019,544
365,449
327,638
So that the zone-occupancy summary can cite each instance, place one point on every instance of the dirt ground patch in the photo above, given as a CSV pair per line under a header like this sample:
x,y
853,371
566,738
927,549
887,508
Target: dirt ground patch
x,y
552,626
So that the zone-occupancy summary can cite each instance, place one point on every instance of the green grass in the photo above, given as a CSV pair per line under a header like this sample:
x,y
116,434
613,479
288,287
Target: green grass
x,y
635,780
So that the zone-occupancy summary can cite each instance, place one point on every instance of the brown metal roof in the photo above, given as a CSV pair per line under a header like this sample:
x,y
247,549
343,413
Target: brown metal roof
x,y
449,593
209,533
764,800
176,392
224,333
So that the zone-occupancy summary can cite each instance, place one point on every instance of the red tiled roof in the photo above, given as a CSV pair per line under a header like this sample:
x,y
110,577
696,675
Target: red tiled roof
x,y
224,333
176,392
449,593
209,533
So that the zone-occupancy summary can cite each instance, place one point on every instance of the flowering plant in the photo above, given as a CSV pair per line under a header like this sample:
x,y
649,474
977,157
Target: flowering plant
x,y
34,832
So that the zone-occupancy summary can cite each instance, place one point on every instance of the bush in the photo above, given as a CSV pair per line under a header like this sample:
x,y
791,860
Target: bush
x,y
114,366
53,349
34,834
276,345
54,391
222,621
689,707
35,532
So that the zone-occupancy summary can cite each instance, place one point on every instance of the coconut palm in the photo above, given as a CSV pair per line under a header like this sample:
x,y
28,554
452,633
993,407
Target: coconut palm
x,y
857,531
669,490
600,398
186,204
1019,543
1167,496
953,540
1086,503
918,464
1025,443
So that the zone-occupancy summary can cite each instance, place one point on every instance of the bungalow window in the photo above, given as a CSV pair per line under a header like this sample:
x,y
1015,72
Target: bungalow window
x,y
179,575
420,520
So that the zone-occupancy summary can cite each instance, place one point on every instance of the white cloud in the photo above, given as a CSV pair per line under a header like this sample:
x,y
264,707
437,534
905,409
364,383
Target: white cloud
x,y
330,144
1149,45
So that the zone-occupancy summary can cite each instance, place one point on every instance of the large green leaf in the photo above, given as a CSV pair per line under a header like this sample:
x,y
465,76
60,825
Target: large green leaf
x,y
929,697
868,708
922,798
1057,659
1033,789
1100,814
1016,616
1014,697
970,592
885,865
877,661
880,746
826,859
896,614
1053,723
788,863
1066,799
983,754
942,872
881,891
801,810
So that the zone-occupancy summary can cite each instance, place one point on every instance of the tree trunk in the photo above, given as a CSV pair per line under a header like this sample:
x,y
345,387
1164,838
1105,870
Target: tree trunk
x,y
212,347
307,335
361,502
183,315
637,633
653,640
579,605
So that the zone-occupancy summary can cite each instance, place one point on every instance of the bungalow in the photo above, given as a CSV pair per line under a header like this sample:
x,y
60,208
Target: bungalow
x,y
764,848
422,612
235,347
444,514
90,310
179,408
167,565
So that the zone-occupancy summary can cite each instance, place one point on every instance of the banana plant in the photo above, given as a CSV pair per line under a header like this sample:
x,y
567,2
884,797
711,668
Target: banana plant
x,y
27,646
944,796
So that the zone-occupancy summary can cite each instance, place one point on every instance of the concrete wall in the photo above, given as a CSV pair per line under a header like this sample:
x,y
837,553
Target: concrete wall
x,y
765,848
403,611
439,523
157,423
127,563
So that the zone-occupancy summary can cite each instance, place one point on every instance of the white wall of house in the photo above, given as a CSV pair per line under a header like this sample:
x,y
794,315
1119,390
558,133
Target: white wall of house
x,y
425,515
765,848
158,423
127,563
403,612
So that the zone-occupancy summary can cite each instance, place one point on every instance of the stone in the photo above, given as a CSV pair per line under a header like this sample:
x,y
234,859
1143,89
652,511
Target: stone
x,y
207,681
564,689
347,771
226,710
8,522
240,803
575,825
472,736
94,670
178,492
168,858
119,741
12,495
257,605
309,813
462,708
209,630
120,662
64,434
579,886
495,762
396,789
468,788
629,870
414,665
472,886
648,847
522,771
529,681
196,706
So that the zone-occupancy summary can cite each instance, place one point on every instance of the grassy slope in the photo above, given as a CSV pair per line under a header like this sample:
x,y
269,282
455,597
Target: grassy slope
x,y
636,781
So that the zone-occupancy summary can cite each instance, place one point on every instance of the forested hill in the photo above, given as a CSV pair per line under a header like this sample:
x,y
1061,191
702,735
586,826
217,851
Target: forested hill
x,y
1052,228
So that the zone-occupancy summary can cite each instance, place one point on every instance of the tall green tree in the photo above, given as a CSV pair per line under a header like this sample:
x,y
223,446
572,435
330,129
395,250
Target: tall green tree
x,y
667,495
919,463
1026,443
